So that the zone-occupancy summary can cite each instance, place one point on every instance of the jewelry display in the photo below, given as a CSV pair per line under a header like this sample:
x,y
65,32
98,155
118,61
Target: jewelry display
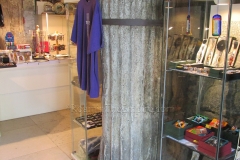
x,y
233,53
210,51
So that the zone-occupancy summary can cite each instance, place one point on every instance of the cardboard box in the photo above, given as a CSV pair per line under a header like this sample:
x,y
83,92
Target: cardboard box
x,y
177,133
195,138
210,150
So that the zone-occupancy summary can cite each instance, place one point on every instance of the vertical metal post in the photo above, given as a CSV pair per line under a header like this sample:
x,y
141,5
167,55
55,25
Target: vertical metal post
x,y
200,86
165,76
224,76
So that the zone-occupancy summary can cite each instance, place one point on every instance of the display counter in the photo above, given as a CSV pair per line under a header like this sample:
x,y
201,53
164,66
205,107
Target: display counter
x,y
34,88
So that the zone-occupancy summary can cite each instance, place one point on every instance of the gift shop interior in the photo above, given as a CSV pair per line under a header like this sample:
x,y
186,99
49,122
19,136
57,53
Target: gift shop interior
x,y
100,79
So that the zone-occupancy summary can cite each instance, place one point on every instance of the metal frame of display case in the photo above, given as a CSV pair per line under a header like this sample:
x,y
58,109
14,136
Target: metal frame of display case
x,y
166,71
79,104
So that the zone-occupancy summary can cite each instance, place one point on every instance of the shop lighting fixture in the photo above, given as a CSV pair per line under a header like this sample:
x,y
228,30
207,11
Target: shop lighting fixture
x,y
169,4
221,2
170,28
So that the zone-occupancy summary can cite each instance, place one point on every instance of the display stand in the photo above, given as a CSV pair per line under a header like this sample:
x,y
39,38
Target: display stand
x,y
186,83
86,117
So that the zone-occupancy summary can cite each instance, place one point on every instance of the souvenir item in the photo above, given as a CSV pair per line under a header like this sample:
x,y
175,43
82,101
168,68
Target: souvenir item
x,y
231,134
212,141
186,41
215,123
197,134
199,130
176,129
219,56
216,25
93,120
191,49
209,147
233,53
212,41
201,51
58,8
176,46
48,7
180,124
188,28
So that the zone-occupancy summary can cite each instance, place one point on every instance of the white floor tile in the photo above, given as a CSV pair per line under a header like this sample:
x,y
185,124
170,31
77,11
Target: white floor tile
x,y
23,141
13,124
65,113
60,138
49,154
55,126
67,149
47,117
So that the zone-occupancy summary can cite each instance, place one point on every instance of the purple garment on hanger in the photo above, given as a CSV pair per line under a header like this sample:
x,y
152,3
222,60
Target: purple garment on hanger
x,y
87,34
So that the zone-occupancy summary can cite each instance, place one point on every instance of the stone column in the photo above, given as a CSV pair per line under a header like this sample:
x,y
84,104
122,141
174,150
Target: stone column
x,y
131,86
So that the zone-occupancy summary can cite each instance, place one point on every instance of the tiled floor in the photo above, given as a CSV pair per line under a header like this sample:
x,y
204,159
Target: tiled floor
x,y
39,137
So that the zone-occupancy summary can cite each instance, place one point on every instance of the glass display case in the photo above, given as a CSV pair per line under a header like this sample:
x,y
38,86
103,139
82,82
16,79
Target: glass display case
x,y
86,116
200,85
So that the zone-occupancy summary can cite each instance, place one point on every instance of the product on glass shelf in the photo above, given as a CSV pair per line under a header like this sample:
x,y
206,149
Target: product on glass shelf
x,y
188,29
216,25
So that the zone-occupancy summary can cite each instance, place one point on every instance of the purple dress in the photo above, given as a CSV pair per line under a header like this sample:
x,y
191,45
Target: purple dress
x,y
87,34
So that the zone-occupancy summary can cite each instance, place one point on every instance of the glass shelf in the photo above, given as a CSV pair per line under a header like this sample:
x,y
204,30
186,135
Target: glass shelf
x,y
193,147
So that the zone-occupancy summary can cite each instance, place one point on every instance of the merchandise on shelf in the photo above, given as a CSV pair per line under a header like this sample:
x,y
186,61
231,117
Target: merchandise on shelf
x,y
176,129
198,133
209,147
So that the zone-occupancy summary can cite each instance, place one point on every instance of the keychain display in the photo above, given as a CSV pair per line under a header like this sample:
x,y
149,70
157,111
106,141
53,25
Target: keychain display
x,y
56,37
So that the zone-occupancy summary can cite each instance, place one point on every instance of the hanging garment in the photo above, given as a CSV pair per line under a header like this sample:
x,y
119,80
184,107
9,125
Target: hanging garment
x,y
87,34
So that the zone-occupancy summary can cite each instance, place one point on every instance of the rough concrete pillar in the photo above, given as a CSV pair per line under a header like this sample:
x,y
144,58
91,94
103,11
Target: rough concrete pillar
x,y
131,85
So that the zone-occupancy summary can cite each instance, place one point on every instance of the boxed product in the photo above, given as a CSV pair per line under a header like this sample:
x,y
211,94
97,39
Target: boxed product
x,y
198,119
209,147
231,135
176,129
213,125
198,133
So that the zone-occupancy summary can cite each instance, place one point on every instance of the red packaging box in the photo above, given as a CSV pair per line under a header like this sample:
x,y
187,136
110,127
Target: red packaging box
x,y
211,150
195,138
